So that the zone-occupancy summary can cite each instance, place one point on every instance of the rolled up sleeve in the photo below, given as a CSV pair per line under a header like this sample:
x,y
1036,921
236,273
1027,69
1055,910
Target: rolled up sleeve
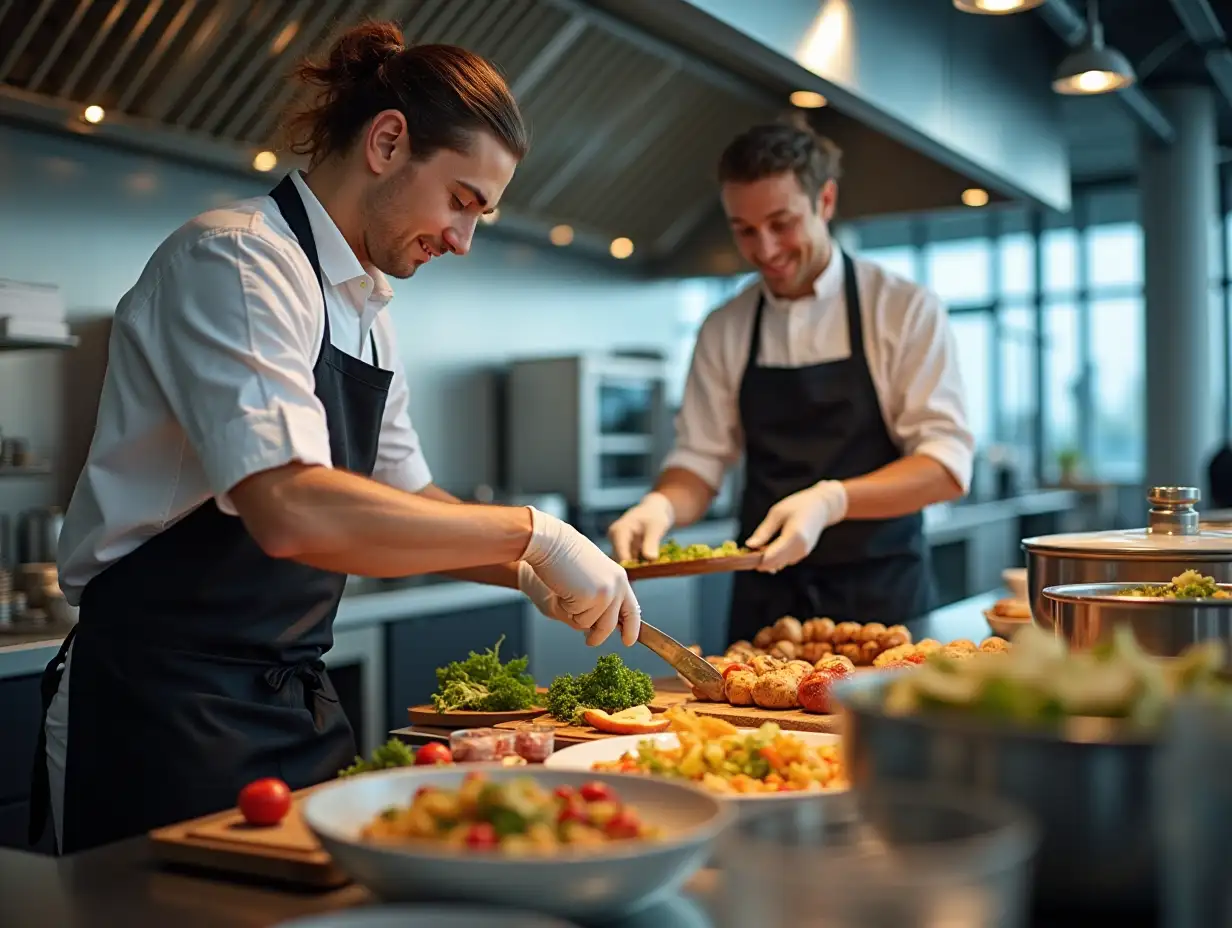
x,y
930,417
400,459
708,433
233,335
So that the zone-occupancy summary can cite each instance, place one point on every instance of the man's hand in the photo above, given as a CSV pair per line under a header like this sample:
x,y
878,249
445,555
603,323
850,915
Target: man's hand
x,y
798,521
591,589
638,532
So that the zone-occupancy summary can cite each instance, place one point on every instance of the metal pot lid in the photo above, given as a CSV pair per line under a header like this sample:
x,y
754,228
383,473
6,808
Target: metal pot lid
x,y
1113,593
1173,530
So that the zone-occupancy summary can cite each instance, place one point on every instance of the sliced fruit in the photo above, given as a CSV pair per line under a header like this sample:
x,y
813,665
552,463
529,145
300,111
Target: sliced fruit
x,y
614,725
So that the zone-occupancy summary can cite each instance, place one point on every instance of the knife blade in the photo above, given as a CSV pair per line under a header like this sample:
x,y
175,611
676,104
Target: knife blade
x,y
707,680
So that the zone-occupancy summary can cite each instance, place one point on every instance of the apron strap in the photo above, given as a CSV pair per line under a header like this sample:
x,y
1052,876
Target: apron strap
x,y
40,781
291,205
855,318
755,335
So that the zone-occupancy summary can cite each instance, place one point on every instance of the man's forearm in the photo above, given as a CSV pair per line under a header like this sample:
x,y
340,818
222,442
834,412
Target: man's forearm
x,y
492,574
688,493
900,488
349,524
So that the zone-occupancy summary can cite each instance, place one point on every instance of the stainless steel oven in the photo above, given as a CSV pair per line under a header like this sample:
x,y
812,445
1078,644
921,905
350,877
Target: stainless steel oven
x,y
593,428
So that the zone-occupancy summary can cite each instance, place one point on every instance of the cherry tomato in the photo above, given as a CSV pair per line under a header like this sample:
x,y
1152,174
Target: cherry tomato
x,y
597,792
433,753
564,792
572,813
623,824
265,801
481,835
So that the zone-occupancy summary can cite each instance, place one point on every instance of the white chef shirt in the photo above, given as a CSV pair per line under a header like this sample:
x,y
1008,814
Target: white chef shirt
x,y
908,344
209,381
209,377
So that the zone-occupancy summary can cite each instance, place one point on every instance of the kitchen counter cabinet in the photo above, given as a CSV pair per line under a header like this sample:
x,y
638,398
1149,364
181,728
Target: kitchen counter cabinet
x,y
20,711
414,648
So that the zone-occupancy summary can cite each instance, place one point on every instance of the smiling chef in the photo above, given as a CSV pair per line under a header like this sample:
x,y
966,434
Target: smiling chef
x,y
838,382
253,447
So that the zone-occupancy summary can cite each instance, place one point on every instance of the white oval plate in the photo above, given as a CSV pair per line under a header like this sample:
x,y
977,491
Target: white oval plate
x,y
584,756
425,916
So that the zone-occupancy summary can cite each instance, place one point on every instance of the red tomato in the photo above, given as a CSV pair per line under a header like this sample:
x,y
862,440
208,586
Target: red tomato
x,y
597,792
481,836
623,824
265,801
563,792
434,752
572,813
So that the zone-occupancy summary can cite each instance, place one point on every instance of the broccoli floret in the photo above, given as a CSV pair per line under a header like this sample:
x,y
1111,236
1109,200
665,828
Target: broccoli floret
x,y
611,686
562,700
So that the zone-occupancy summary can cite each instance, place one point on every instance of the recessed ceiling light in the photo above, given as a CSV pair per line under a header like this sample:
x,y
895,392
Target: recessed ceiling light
x,y
621,248
561,235
996,7
264,161
975,196
807,99
93,114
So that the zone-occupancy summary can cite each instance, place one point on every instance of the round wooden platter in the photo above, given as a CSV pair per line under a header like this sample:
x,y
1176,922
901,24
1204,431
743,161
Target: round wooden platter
x,y
701,565
428,716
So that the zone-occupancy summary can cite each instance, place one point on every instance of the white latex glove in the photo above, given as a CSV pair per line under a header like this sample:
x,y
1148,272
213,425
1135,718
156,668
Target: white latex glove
x,y
541,594
591,589
638,532
798,521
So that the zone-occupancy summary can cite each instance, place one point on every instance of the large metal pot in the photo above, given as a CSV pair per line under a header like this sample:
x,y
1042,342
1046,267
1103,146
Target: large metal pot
x,y
1173,541
1084,614
1088,787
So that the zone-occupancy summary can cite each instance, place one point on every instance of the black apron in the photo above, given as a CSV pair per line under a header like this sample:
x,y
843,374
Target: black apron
x,y
824,422
197,658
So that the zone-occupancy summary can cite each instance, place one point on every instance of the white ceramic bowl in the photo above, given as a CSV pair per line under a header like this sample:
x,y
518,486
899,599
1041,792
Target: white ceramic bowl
x,y
615,879
1015,580
582,758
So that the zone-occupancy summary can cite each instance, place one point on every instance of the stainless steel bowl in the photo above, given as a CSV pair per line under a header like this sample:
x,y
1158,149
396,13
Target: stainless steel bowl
x,y
1088,786
1173,542
1085,614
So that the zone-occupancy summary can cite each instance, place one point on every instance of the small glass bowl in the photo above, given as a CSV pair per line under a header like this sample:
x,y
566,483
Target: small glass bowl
x,y
481,745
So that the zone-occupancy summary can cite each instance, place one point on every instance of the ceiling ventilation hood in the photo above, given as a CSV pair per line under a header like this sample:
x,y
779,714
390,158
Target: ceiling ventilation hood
x,y
626,127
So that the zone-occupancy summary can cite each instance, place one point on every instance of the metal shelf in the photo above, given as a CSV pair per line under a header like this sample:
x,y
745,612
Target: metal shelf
x,y
35,344
33,470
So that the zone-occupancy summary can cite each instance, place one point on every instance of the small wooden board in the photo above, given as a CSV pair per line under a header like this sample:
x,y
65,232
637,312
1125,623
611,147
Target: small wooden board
x,y
452,721
702,565
286,852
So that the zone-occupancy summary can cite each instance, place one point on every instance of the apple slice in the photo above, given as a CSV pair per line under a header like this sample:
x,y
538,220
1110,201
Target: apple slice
x,y
615,725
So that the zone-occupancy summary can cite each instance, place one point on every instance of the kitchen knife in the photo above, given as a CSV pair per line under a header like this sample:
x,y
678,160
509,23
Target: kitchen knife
x,y
707,680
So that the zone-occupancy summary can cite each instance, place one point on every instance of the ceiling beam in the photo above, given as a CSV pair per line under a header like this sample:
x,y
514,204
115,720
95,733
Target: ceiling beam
x,y
1204,28
1072,29
548,57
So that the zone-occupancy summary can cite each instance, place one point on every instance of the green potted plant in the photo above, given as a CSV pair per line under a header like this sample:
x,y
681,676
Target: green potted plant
x,y
1070,462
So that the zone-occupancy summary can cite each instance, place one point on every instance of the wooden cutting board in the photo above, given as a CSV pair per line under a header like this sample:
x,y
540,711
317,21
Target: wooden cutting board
x,y
286,852
755,716
428,716
567,734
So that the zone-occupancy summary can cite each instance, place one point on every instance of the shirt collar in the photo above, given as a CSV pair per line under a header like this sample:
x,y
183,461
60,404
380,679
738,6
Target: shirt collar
x,y
828,285
338,261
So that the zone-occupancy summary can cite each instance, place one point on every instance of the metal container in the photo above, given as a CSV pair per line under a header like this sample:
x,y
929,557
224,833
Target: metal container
x,y
1173,541
1084,614
1088,787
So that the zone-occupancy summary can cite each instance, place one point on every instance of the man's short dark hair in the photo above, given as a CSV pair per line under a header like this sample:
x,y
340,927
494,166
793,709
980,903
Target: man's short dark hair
x,y
775,148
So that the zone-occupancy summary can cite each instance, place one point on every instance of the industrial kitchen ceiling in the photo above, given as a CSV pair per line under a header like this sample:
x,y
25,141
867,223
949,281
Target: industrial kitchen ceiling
x,y
626,128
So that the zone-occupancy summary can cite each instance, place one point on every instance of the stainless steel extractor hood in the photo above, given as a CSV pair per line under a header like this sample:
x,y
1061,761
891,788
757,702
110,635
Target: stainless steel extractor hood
x,y
627,120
